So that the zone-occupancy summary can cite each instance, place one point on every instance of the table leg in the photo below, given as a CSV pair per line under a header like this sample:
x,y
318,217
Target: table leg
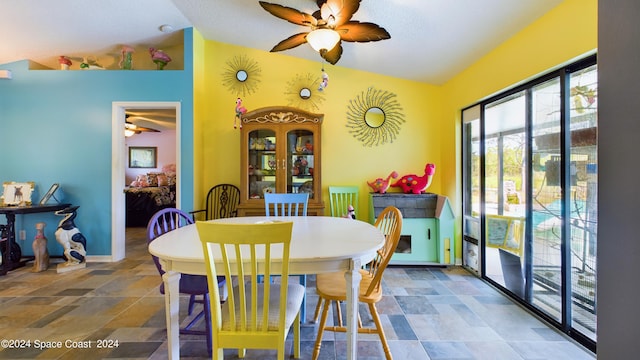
x,y
353,278
172,306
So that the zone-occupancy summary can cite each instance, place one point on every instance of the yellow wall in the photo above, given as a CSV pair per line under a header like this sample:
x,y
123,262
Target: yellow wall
x,y
345,161
431,132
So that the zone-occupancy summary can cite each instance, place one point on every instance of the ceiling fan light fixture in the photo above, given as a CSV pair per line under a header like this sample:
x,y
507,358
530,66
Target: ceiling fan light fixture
x,y
128,133
323,39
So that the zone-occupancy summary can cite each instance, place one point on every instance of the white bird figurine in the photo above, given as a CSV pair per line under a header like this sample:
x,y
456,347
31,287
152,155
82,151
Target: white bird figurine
x,y
240,110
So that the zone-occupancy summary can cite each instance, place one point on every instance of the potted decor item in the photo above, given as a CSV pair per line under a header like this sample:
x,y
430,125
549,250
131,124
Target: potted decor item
x,y
126,58
160,58
40,251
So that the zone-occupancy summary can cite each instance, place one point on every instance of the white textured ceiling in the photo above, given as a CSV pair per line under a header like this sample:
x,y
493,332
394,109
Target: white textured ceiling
x,y
431,40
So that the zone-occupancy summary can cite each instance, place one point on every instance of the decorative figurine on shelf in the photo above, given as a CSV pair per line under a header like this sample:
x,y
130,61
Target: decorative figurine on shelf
x,y
414,184
159,57
73,242
325,81
126,58
240,110
64,62
40,251
300,166
381,185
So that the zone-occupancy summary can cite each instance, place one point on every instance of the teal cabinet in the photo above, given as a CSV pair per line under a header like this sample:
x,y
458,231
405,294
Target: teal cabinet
x,y
427,227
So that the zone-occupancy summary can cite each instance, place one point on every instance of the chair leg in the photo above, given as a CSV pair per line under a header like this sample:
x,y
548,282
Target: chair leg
x,y
323,321
303,308
192,303
383,338
296,337
207,320
317,312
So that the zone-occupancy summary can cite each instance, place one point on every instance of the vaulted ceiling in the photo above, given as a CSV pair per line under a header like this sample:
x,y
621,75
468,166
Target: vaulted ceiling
x,y
431,40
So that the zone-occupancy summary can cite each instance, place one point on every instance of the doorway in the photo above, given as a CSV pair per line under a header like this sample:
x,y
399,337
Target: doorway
x,y
119,163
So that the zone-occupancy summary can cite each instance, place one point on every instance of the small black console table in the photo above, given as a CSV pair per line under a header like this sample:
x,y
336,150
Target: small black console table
x,y
11,252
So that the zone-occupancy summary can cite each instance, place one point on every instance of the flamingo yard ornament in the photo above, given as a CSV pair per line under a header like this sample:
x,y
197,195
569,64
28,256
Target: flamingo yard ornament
x,y
240,110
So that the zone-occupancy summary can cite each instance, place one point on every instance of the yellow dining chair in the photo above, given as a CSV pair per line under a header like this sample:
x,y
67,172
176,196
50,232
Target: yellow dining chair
x,y
332,286
256,315
340,197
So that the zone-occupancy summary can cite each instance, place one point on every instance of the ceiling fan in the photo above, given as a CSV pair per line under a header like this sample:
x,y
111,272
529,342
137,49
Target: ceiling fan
x,y
132,129
332,21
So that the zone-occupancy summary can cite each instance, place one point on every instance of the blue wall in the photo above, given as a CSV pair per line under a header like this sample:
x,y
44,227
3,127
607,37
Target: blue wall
x,y
55,127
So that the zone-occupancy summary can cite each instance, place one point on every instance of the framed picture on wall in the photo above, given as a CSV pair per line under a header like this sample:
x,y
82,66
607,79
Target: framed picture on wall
x,y
49,194
143,156
17,193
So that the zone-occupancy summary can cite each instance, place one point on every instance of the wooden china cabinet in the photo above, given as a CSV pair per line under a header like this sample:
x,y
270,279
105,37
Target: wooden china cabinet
x,y
280,153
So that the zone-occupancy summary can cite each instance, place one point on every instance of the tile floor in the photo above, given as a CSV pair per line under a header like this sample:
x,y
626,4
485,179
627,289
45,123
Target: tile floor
x,y
428,313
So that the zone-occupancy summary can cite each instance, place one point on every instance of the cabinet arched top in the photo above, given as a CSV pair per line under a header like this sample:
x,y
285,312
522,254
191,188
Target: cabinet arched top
x,y
281,115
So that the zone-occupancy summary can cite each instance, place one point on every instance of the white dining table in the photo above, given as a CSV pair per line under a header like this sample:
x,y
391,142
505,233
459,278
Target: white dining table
x,y
319,244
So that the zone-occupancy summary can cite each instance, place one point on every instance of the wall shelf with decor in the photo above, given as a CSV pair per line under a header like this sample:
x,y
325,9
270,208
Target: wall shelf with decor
x,y
135,56
427,227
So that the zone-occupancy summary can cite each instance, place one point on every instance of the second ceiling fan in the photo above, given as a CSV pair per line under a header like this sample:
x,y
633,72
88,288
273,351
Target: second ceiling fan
x,y
334,19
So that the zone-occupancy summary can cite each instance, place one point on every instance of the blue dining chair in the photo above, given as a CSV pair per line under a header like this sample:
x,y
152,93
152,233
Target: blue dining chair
x,y
289,205
160,223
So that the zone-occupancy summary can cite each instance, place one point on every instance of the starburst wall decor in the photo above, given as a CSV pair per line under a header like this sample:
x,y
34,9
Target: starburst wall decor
x,y
242,75
303,92
374,117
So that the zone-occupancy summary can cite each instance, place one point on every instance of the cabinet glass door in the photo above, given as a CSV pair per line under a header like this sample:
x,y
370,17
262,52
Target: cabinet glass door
x,y
263,164
300,162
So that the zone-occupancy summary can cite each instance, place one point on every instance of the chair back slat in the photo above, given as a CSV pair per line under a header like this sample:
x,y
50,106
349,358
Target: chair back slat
x,y
162,222
286,204
389,222
222,201
340,197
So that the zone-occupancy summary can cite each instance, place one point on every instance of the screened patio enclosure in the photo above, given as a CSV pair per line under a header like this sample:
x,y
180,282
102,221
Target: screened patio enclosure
x,y
530,195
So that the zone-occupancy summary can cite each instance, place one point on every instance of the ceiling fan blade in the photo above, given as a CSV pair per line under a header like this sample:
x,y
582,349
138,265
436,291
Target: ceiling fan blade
x,y
341,10
291,42
290,14
332,56
136,128
355,31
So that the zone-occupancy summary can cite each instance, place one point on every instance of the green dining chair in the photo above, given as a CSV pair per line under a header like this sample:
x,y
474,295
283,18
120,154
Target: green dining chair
x,y
340,197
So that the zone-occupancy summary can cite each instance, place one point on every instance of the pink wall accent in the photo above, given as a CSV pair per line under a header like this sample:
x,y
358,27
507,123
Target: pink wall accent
x,y
165,141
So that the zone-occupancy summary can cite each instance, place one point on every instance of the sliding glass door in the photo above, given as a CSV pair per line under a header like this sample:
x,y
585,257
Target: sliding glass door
x,y
530,195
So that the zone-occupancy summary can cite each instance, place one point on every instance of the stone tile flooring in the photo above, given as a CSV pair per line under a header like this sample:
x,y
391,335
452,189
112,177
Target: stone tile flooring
x,y
428,313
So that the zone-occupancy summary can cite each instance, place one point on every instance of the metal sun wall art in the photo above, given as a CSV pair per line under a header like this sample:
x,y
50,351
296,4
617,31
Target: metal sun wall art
x,y
303,92
374,117
242,75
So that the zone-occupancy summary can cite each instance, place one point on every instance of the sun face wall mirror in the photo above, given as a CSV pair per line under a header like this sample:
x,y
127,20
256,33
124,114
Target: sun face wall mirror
x,y
374,117
305,93
241,75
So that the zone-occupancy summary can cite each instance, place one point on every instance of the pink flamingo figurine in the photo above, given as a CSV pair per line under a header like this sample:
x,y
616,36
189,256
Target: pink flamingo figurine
x,y
159,57
240,110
